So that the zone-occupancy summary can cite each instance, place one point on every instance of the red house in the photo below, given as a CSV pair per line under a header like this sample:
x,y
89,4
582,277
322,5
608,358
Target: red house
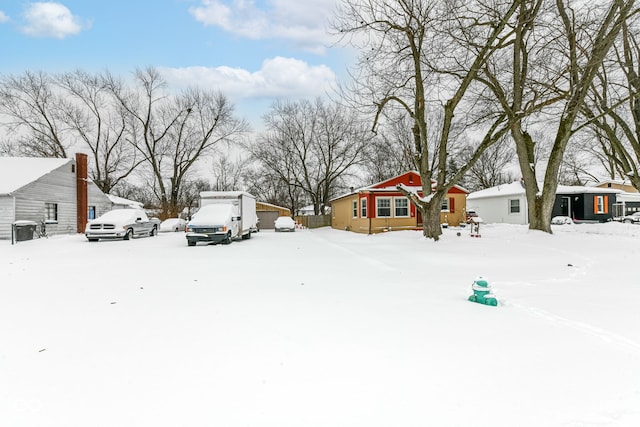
x,y
381,207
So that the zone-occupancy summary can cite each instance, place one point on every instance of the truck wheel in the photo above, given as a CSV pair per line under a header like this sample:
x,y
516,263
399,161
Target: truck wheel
x,y
227,240
128,234
154,231
246,236
92,239
191,243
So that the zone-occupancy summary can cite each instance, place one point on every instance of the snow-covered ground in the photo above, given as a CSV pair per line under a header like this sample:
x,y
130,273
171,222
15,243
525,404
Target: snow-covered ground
x,y
323,328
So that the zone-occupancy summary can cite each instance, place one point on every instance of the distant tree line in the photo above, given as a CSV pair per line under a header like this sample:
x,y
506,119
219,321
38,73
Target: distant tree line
x,y
469,93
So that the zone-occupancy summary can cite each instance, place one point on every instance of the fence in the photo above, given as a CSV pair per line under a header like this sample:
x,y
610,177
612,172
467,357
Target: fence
x,y
314,221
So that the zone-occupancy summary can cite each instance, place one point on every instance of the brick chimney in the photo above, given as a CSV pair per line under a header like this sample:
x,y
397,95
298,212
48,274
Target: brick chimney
x,y
82,197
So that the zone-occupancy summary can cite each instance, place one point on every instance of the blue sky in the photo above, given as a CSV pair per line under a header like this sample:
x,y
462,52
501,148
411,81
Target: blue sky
x,y
254,51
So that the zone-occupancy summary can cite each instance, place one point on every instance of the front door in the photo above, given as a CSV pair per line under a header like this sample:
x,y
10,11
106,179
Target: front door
x,y
565,206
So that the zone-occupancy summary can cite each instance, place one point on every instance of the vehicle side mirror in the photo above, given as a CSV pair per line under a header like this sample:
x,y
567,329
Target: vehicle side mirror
x,y
237,218
138,219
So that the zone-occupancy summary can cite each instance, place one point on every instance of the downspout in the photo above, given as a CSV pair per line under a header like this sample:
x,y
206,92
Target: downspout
x,y
369,210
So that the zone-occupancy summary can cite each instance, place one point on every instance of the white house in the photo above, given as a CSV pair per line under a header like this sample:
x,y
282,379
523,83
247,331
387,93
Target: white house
x,y
504,203
118,202
51,190
507,203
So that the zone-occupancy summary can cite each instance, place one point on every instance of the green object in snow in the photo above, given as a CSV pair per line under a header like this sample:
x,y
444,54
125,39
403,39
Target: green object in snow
x,y
482,292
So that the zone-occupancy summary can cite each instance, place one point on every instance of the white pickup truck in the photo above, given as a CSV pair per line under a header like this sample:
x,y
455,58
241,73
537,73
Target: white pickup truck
x,y
121,224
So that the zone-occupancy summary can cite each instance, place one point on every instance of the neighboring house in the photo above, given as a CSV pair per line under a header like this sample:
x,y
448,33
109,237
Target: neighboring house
x,y
507,203
585,204
626,204
268,213
381,207
49,190
504,203
617,185
118,202
309,210
306,211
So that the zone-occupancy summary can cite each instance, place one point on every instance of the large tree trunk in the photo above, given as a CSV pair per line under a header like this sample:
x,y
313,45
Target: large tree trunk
x,y
431,227
430,211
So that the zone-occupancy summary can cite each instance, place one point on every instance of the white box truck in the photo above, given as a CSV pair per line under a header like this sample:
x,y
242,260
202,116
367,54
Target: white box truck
x,y
223,216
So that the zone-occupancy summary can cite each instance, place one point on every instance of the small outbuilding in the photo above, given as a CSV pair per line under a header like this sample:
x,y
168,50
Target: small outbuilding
x,y
268,213
382,207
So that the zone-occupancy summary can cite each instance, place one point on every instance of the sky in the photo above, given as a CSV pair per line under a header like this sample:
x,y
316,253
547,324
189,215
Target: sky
x,y
253,51
322,328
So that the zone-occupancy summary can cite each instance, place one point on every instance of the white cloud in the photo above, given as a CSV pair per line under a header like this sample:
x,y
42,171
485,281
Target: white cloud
x,y
3,17
49,19
303,22
278,77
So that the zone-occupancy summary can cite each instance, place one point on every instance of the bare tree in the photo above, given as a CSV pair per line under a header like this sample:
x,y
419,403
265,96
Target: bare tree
x,y
173,132
190,194
391,152
613,107
492,167
546,80
424,56
35,114
227,173
102,125
272,187
310,146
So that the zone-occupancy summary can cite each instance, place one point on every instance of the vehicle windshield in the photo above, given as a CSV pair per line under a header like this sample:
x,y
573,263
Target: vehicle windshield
x,y
120,215
211,213
284,220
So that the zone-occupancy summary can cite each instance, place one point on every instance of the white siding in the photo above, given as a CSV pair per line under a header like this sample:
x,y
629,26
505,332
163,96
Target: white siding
x,y
496,209
98,199
58,186
6,216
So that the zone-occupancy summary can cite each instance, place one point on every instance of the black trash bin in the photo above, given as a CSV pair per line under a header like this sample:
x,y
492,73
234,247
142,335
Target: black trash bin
x,y
24,230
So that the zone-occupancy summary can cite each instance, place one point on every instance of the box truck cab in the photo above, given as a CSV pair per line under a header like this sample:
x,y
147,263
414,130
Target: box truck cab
x,y
223,216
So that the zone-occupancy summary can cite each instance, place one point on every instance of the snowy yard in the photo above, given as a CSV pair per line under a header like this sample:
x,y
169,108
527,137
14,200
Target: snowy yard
x,y
323,328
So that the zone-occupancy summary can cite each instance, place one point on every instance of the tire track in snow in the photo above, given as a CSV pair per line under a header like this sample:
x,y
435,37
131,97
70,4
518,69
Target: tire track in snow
x,y
600,333
366,259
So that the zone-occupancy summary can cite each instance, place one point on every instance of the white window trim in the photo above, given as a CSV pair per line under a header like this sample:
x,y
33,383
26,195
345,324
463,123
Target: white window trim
x,y
599,205
394,207
509,207
48,212
363,207
378,199
446,201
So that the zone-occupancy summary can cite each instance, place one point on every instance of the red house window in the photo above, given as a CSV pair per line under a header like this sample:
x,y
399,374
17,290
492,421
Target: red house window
x,y
363,208
383,207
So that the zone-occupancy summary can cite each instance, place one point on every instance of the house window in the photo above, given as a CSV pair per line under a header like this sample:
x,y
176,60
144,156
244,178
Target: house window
x,y
383,207
514,206
445,205
401,205
51,212
355,209
91,213
363,208
600,204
